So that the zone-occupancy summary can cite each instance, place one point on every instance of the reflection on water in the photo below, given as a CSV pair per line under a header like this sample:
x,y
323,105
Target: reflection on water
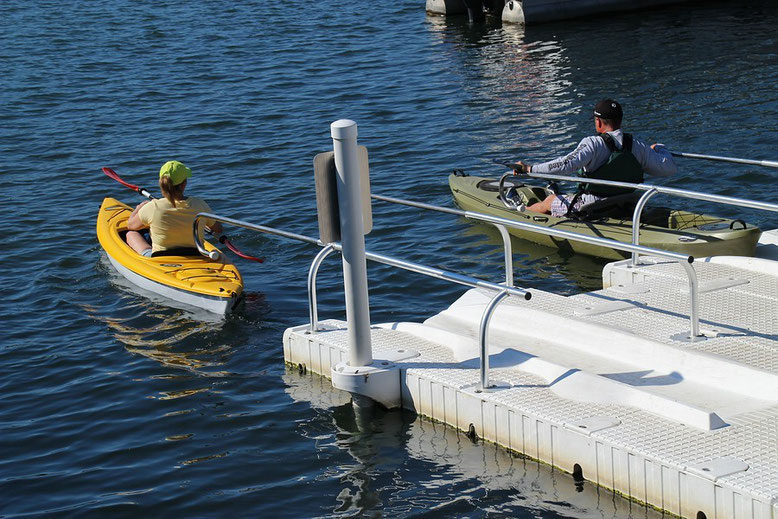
x,y
403,464
532,263
177,337
173,337
520,82
162,337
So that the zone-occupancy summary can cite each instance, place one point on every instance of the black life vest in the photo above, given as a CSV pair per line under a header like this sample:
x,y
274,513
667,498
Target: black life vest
x,y
622,166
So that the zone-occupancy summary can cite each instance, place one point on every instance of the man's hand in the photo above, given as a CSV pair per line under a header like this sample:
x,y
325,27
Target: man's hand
x,y
522,168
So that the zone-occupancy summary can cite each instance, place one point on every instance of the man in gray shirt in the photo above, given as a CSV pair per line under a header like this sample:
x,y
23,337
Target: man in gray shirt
x,y
609,155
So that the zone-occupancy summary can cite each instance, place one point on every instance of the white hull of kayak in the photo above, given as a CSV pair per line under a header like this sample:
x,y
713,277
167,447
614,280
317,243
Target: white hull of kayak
x,y
217,305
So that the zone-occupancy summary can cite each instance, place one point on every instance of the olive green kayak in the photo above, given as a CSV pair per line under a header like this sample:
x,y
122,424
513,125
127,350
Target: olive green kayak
x,y
672,230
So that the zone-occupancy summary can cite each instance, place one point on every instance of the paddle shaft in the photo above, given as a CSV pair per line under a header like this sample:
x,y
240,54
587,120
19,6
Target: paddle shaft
x,y
765,163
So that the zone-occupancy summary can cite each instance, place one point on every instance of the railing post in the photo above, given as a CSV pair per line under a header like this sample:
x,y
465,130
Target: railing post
x,y
694,300
313,305
506,238
483,335
344,142
636,221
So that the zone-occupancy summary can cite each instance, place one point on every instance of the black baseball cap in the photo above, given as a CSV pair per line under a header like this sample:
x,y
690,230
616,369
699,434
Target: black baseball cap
x,y
608,109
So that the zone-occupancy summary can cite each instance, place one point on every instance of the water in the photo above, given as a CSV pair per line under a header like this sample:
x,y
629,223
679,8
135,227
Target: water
x,y
115,404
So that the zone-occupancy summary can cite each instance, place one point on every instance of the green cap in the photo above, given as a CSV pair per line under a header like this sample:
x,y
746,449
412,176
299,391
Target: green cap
x,y
176,171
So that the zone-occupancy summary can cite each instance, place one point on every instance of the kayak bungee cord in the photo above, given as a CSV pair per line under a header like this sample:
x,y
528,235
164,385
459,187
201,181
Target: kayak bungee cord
x,y
144,192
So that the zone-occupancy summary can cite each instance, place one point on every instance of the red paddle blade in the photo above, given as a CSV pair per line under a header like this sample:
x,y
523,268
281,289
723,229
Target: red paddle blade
x,y
230,246
114,175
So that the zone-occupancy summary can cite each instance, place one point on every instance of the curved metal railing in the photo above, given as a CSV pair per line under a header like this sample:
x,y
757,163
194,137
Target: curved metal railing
x,y
684,260
502,291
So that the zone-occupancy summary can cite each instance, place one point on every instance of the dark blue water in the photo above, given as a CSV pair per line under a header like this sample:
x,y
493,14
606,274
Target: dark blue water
x,y
112,404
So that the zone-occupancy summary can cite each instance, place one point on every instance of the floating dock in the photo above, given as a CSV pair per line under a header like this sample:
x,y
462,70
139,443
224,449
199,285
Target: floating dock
x,y
662,386
606,385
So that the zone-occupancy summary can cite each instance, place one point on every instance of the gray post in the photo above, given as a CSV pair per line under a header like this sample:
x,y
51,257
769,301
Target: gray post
x,y
344,142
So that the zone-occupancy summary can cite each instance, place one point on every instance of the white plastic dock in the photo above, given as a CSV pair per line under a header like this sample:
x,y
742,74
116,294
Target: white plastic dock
x,y
604,384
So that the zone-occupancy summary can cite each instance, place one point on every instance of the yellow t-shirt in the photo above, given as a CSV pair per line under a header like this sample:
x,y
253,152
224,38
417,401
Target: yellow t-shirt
x,y
171,227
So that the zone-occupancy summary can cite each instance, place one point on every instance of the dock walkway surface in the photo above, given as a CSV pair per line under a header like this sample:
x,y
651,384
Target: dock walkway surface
x,y
607,384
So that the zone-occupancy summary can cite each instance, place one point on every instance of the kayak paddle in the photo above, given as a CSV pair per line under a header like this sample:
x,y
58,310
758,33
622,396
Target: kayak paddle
x,y
143,192
766,163
114,175
226,241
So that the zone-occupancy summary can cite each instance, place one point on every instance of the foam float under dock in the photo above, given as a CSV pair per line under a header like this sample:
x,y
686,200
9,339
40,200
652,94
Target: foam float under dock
x,y
604,384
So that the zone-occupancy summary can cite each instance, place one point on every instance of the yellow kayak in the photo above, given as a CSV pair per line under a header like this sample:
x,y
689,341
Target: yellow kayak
x,y
214,285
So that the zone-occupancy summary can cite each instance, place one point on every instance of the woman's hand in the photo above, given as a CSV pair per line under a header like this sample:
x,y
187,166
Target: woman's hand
x,y
215,229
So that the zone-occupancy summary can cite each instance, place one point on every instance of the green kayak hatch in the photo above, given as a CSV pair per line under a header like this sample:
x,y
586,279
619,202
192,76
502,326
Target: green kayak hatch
x,y
671,230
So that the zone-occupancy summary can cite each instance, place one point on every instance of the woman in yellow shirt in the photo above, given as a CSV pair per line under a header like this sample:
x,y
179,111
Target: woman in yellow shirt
x,y
168,219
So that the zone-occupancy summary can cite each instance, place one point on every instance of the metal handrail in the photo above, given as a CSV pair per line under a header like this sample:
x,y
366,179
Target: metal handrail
x,y
245,225
506,240
483,337
313,305
684,260
636,215
503,291
422,269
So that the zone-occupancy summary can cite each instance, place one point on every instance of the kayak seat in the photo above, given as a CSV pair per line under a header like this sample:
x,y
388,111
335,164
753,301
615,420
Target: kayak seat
x,y
657,216
177,251
619,206
622,206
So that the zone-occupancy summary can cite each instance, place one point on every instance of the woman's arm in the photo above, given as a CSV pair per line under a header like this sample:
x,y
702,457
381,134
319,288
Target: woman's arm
x,y
134,222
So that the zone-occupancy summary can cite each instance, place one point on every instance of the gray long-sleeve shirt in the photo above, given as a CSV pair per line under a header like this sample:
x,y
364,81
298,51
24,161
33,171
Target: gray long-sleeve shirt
x,y
592,153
